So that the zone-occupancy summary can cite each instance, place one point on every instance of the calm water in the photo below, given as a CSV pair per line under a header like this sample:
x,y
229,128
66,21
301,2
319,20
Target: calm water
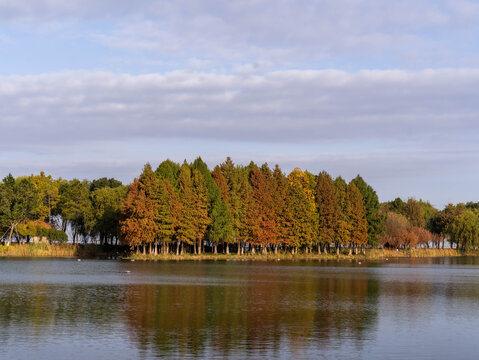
x,y
64,309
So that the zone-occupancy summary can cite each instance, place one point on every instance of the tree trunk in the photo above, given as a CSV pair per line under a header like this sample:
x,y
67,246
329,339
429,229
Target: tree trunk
x,y
177,248
276,249
10,235
350,251
337,249
227,249
150,250
239,248
144,249
253,250
215,248
199,247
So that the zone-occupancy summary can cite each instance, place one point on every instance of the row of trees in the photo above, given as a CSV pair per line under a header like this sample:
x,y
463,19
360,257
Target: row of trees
x,y
414,223
249,208
189,208
41,206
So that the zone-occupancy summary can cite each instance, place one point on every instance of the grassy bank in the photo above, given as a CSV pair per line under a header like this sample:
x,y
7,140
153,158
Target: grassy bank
x,y
96,251
370,254
60,251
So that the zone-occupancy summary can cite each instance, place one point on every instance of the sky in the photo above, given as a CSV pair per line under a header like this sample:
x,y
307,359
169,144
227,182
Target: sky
x,y
385,89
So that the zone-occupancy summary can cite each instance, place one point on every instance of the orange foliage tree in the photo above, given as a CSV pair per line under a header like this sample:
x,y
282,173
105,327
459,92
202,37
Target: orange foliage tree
x,y
262,216
138,226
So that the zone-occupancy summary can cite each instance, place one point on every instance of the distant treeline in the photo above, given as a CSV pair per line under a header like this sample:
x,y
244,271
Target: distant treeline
x,y
189,208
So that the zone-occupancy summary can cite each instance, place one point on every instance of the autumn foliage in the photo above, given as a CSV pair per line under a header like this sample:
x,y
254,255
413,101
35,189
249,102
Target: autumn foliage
x,y
251,208
188,208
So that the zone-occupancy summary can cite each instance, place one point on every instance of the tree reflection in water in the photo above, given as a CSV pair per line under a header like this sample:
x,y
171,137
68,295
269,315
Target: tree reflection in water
x,y
256,310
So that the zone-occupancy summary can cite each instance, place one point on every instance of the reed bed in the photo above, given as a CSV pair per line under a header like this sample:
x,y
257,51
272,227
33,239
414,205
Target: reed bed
x,y
96,251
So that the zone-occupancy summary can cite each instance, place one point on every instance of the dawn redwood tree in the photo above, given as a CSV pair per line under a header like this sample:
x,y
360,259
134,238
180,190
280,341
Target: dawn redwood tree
x,y
312,181
170,171
301,203
200,209
138,225
235,179
151,184
217,209
327,210
375,219
168,214
357,217
282,213
262,216
246,210
342,233
221,182
186,233
222,229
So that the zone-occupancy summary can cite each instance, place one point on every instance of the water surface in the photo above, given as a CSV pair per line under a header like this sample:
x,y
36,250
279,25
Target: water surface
x,y
397,309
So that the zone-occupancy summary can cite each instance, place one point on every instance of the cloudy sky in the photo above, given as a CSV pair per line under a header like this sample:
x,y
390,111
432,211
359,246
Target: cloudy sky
x,y
387,89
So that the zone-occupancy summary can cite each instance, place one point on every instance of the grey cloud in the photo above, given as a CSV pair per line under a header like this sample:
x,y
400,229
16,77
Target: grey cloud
x,y
285,106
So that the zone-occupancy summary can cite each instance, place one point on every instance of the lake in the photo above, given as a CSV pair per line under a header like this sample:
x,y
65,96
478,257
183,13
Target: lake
x,y
100,309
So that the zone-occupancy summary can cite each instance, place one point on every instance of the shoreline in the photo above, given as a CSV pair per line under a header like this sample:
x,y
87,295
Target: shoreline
x,y
122,253
370,254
